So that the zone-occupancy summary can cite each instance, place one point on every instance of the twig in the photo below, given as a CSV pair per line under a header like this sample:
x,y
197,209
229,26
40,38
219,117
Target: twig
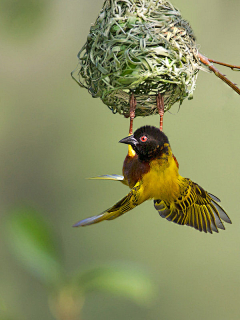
x,y
208,62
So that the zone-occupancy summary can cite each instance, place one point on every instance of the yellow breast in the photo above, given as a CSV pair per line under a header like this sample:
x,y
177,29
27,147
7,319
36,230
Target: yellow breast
x,y
161,182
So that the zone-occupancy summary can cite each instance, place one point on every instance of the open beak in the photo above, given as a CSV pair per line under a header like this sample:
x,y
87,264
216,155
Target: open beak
x,y
129,140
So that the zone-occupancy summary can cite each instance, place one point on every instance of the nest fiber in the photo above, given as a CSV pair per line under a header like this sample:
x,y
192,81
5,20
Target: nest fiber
x,y
140,46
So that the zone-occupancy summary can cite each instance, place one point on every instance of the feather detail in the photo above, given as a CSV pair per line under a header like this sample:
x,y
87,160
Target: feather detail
x,y
195,208
130,201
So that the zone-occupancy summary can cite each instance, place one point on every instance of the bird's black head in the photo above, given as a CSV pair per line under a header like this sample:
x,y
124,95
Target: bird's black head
x,y
148,142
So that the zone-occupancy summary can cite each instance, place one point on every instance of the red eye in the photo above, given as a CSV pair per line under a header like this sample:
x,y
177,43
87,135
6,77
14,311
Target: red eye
x,y
143,138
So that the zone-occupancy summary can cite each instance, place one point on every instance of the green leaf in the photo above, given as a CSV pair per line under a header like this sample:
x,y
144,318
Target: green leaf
x,y
34,244
125,280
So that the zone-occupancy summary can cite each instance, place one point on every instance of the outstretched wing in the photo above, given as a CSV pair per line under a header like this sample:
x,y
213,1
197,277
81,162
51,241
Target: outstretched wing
x,y
195,207
133,199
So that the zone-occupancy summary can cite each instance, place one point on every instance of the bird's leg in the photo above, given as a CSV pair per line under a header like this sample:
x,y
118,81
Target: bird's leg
x,y
160,107
133,104
209,63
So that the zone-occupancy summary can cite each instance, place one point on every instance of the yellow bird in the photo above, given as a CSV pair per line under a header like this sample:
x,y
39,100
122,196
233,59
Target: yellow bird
x,y
151,171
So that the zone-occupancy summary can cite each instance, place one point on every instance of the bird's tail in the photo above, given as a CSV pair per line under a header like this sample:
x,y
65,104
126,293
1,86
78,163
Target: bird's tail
x,y
114,177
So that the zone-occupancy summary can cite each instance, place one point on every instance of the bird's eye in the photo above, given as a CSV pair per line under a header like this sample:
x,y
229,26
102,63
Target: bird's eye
x,y
143,138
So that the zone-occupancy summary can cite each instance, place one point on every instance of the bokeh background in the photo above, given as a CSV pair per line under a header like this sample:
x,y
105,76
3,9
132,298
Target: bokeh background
x,y
53,135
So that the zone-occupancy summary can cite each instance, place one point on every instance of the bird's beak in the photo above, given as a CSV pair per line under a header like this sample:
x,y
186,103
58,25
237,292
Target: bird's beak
x,y
129,140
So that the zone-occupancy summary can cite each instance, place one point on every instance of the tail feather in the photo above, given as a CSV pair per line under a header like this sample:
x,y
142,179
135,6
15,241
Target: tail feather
x,y
114,177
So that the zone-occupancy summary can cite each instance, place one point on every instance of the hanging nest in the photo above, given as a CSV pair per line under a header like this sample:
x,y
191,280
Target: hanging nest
x,y
139,46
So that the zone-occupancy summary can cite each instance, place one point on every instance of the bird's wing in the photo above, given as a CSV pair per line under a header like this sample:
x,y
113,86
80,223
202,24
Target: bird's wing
x,y
195,207
113,177
133,199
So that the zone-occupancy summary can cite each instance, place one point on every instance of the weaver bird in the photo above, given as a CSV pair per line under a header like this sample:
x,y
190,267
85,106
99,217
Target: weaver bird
x,y
151,171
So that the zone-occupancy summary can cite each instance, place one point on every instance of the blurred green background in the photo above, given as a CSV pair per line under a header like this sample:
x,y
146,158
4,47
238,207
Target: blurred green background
x,y
53,135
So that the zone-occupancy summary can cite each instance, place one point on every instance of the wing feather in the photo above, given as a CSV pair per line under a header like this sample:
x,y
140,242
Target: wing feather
x,y
209,220
200,226
195,208
204,221
223,215
130,201
216,199
218,221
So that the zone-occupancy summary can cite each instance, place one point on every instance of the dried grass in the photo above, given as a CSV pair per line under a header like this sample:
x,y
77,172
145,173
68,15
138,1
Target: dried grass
x,y
140,46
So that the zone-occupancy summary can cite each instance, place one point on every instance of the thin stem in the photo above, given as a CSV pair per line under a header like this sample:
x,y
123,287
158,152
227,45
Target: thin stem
x,y
233,67
208,63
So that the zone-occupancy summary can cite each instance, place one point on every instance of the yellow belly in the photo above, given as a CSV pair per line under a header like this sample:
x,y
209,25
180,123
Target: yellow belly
x,y
161,182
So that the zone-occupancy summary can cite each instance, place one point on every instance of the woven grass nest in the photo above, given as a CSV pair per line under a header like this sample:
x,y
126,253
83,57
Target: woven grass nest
x,y
139,46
